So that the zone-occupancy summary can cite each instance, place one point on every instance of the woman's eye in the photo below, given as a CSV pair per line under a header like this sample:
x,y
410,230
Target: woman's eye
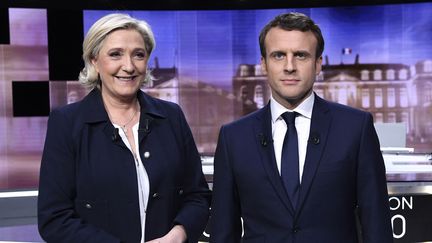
x,y
115,54
140,55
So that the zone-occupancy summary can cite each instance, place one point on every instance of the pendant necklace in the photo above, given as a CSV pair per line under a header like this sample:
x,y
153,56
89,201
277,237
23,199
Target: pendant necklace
x,y
123,127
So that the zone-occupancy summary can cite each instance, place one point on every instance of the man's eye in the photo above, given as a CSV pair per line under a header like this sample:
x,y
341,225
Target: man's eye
x,y
278,56
301,55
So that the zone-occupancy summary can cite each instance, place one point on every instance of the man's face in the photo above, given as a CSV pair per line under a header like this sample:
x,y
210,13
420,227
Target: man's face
x,y
291,65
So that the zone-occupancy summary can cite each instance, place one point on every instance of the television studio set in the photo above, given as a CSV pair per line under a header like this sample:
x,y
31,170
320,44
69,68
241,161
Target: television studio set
x,y
207,59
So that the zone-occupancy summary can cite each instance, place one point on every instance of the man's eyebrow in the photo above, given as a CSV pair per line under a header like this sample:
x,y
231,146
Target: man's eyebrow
x,y
277,52
302,52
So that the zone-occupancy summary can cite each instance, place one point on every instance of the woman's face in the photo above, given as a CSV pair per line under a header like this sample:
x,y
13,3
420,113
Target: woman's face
x,y
121,64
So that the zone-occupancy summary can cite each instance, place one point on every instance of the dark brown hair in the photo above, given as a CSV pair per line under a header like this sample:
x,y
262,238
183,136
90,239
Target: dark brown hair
x,y
293,21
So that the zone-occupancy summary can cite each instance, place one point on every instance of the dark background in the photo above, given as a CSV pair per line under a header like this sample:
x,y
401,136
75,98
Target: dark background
x,y
189,4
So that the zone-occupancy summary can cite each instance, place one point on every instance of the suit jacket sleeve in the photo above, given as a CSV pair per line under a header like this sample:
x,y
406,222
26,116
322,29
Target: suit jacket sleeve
x,y
194,212
57,218
225,213
372,193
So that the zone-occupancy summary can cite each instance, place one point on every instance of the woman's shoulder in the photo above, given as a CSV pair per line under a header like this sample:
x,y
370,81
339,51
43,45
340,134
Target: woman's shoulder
x,y
66,110
73,112
157,105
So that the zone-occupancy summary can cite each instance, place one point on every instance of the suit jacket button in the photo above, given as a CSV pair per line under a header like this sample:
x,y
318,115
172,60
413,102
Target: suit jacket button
x,y
155,195
88,205
180,192
295,229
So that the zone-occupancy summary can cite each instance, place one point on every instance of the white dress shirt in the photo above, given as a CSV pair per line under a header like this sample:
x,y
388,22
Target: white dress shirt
x,y
302,123
142,176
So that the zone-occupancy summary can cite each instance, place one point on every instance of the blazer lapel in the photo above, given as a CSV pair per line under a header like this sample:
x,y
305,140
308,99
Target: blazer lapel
x,y
264,141
150,114
320,124
95,113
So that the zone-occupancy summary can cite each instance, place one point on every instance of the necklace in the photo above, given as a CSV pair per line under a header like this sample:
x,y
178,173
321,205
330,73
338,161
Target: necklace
x,y
123,127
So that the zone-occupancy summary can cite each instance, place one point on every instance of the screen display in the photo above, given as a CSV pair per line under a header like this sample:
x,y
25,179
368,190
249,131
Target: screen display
x,y
376,58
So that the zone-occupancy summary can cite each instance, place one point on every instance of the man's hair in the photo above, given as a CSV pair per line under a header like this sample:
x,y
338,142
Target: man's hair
x,y
293,21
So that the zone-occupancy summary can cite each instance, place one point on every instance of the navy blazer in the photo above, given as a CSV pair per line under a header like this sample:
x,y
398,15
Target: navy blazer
x,y
344,176
88,188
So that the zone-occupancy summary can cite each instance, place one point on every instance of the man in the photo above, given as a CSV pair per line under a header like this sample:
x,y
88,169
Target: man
x,y
335,191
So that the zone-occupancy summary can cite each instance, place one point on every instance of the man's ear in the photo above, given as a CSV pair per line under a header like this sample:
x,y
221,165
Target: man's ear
x,y
263,65
318,65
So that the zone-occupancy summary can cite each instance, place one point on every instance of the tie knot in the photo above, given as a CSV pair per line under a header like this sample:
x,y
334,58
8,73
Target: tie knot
x,y
289,117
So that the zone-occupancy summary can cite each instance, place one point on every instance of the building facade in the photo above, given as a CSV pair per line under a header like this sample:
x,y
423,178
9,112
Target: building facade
x,y
393,93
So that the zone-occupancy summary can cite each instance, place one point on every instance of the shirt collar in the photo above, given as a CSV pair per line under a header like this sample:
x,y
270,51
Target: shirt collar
x,y
304,109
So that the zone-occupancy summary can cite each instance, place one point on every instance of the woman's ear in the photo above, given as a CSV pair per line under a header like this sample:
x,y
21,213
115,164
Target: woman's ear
x,y
94,61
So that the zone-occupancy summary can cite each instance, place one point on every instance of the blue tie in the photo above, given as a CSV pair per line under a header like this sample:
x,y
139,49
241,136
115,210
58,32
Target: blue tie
x,y
290,159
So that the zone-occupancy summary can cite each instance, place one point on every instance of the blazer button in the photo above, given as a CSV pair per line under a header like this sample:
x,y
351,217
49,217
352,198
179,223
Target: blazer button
x,y
295,229
88,206
180,192
146,154
155,195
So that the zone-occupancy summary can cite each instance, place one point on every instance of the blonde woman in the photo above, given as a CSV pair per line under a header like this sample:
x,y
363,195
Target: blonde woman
x,y
120,166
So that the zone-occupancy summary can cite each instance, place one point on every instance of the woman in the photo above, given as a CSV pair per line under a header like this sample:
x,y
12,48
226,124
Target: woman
x,y
120,166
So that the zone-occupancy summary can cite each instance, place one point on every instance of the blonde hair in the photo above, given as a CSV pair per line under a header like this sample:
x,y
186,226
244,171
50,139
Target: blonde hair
x,y
96,36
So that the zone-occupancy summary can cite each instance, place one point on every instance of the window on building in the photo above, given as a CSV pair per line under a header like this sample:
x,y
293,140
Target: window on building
x,y
243,92
365,98
403,97
391,117
403,74
427,68
244,71
405,119
390,74
428,92
259,96
391,97
258,70
377,74
342,95
364,75
378,98
379,117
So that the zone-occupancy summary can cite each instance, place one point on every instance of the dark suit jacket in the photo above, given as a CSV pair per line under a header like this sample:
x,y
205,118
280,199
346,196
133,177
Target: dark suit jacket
x,y
88,188
343,174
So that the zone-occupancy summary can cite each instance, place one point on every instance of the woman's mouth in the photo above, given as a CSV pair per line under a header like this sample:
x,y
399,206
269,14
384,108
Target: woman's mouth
x,y
125,78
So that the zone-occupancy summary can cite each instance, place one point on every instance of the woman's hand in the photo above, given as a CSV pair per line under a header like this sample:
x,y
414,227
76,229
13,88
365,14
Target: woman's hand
x,y
176,235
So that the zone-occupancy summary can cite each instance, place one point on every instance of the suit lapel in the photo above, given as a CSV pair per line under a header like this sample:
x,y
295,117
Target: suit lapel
x,y
264,141
320,124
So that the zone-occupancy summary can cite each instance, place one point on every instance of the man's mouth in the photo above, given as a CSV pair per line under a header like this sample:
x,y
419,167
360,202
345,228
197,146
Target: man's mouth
x,y
290,80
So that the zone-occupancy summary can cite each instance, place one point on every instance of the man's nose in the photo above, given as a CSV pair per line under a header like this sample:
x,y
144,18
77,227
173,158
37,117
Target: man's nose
x,y
290,65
